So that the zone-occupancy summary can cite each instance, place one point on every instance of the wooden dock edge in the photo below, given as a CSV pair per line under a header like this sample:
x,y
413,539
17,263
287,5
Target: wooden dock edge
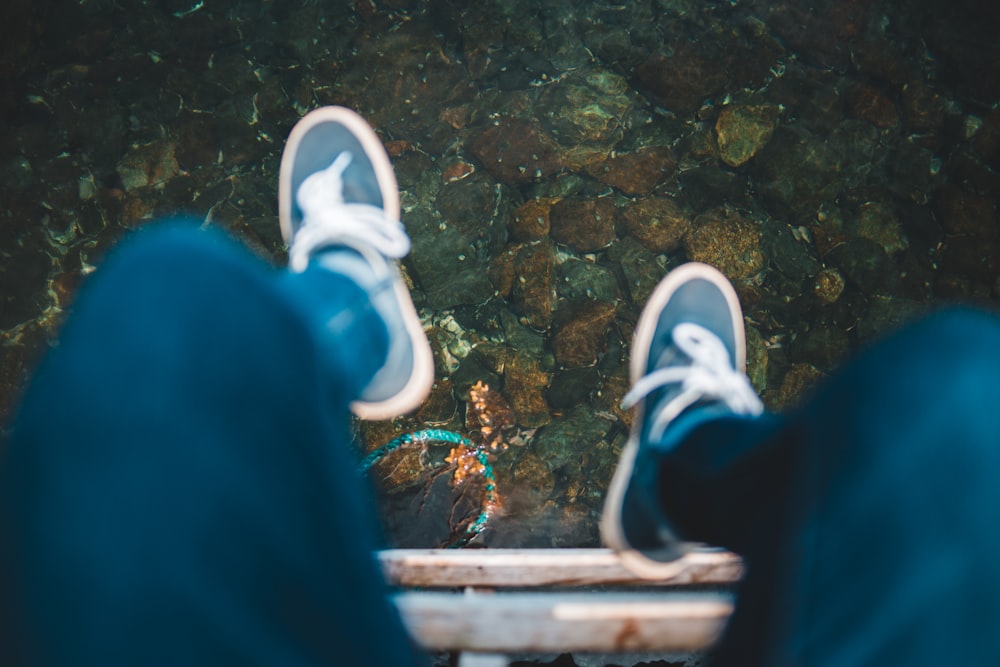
x,y
455,600
506,568
564,621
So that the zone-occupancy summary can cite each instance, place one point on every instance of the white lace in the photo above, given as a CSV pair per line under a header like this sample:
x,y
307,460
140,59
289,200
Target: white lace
x,y
328,220
708,375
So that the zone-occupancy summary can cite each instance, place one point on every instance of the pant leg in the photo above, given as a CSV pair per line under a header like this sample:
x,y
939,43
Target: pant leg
x,y
178,487
726,483
872,540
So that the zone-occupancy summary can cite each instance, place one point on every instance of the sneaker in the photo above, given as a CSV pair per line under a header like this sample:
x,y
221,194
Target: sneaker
x,y
689,353
338,204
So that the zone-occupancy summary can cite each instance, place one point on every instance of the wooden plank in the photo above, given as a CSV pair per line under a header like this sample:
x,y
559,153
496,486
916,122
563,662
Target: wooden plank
x,y
567,621
496,568
482,660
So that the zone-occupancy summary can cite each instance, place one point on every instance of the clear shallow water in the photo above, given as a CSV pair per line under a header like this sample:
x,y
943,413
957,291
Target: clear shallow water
x,y
555,159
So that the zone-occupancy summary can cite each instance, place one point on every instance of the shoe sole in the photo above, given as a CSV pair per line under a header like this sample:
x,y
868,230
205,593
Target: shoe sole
x,y
612,533
421,378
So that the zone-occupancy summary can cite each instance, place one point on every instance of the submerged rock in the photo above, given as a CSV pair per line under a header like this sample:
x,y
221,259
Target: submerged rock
x,y
871,104
581,280
826,347
967,213
798,383
923,107
823,32
520,337
27,273
456,169
877,221
515,151
526,486
599,100
585,225
828,285
525,383
148,164
478,207
658,223
987,139
445,262
578,341
756,359
635,173
401,79
790,250
798,170
887,314
742,130
728,241
532,293
566,439
572,387
530,221
866,265
440,409
639,267
681,81
705,186
970,257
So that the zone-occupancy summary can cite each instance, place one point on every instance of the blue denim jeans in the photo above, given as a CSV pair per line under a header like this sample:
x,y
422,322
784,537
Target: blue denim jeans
x,y
179,486
869,519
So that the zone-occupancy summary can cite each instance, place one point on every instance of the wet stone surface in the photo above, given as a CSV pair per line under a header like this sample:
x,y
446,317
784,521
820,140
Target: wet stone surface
x,y
837,162
742,130
729,241
515,151
634,173
584,225
658,223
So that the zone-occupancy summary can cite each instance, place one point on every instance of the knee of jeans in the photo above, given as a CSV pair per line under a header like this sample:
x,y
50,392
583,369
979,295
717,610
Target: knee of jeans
x,y
950,354
932,384
177,243
174,260
960,352
961,323
955,380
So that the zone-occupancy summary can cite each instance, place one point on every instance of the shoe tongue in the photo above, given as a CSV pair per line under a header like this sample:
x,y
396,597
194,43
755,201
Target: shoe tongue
x,y
670,356
324,189
358,192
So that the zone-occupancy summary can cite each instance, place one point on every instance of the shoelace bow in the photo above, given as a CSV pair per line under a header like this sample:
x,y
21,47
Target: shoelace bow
x,y
328,220
710,375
